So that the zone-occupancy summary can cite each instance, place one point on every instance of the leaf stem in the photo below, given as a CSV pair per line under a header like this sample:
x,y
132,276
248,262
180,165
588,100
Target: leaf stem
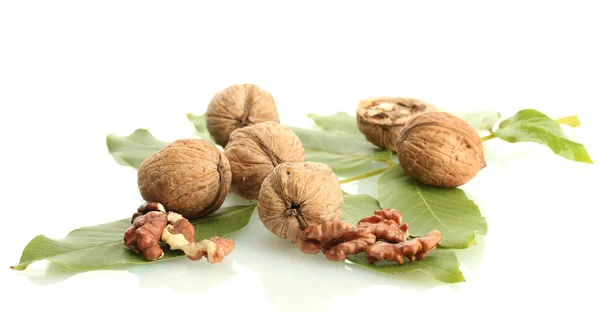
x,y
365,175
488,137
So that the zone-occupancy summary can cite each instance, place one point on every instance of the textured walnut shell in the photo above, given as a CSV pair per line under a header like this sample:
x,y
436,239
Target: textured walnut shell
x,y
255,151
190,176
296,195
382,118
236,107
440,149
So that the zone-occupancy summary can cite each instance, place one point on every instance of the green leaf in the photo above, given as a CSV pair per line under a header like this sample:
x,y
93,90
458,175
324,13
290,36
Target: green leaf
x,y
529,125
441,264
341,123
101,246
199,122
482,120
340,152
427,208
133,149
572,121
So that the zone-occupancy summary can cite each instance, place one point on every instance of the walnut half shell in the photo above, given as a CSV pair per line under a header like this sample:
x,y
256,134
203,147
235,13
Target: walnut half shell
x,y
296,195
382,118
440,149
189,176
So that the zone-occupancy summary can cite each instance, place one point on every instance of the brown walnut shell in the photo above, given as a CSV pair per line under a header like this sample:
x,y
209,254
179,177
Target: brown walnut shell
x,y
236,107
296,195
255,151
189,176
440,149
382,118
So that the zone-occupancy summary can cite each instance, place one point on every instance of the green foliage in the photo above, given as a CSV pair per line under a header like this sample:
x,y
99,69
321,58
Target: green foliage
x,y
340,123
482,120
133,149
529,125
101,246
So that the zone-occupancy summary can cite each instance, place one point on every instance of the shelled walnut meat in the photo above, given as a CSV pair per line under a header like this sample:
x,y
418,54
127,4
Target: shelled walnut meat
x,y
254,151
189,176
236,107
382,118
440,149
296,195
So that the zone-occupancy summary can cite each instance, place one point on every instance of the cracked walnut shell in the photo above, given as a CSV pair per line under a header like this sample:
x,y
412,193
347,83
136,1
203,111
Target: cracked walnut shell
x,y
189,176
236,107
382,118
440,149
255,151
296,195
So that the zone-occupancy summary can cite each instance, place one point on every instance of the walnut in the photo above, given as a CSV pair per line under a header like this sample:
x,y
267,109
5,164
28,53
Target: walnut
x,y
255,151
382,118
189,176
416,248
440,149
349,243
147,206
336,239
145,233
296,195
386,225
238,106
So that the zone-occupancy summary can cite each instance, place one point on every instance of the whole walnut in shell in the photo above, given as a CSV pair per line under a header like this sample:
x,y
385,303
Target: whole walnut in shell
x,y
255,151
382,118
189,176
296,195
236,107
440,149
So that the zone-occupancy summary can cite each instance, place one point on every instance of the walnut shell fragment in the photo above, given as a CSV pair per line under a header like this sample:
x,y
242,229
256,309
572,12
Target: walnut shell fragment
x,y
296,195
238,106
382,118
253,152
189,176
440,149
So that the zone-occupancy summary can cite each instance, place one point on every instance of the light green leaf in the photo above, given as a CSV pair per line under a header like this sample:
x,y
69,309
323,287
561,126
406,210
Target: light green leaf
x,y
101,246
199,122
133,149
441,264
529,125
341,123
357,207
482,120
427,208
340,152
572,121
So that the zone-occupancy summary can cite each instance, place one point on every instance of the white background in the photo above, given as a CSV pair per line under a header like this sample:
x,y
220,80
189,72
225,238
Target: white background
x,y
73,72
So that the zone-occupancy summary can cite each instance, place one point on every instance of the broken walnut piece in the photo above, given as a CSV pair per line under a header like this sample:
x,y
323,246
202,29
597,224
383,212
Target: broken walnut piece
x,y
336,239
386,224
145,233
416,248
147,206
350,243
180,234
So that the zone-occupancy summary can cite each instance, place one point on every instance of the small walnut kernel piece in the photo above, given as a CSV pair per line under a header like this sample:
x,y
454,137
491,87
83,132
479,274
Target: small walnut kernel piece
x,y
145,233
416,248
147,206
254,151
440,149
312,239
189,176
386,225
351,243
236,107
382,118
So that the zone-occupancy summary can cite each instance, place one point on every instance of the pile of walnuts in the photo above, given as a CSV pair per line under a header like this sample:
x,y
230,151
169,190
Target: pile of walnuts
x,y
299,201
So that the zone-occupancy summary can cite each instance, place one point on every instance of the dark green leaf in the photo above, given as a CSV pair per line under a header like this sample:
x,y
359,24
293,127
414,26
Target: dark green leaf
x,y
529,125
199,122
482,120
133,149
440,264
427,208
340,123
101,246
340,152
